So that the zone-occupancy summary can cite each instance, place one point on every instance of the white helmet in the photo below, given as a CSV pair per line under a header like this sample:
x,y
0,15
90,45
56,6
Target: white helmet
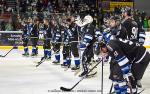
x,y
87,20
78,21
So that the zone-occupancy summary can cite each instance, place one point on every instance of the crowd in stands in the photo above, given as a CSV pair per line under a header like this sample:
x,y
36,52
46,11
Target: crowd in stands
x,y
42,9
120,0
48,8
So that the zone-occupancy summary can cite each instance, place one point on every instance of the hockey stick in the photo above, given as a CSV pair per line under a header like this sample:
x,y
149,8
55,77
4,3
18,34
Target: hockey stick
x,y
129,85
69,89
44,58
110,91
40,62
102,77
140,91
77,71
7,52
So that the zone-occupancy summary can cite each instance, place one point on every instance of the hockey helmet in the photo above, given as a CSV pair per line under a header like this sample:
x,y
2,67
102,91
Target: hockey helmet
x,y
127,10
86,20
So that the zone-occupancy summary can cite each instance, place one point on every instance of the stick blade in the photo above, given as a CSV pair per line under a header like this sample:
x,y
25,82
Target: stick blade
x,y
38,64
42,58
65,89
2,56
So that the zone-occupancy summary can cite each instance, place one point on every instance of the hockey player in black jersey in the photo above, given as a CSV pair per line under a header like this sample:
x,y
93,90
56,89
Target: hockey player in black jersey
x,y
129,23
25,37
71,44
127,55
116,29
135,32
88,39
56,40
47,38
73,28
34,34
66,48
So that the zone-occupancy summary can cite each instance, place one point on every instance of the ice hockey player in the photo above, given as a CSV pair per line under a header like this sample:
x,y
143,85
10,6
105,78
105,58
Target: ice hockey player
x,y
88,39
72,37
25,37
134,28
47,38
116,29
134,32
73,28
127,55
129,23
34,34
56,40
66,47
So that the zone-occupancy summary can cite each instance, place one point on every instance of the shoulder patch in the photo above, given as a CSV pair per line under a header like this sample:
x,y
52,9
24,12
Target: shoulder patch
x,y
109,48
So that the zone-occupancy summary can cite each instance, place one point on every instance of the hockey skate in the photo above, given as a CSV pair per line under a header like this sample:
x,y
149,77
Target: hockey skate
x,y
26,54
64,65
34,52
88,75
75,68
33,55
139,84
93,74
56,62
67,67
84,73
48,58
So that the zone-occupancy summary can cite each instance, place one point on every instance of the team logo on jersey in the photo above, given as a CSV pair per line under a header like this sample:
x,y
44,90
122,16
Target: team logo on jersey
x,y
87,30
116,54
73,29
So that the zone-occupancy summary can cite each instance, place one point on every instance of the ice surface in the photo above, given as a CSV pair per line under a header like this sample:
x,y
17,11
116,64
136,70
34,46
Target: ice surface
x,y
18,75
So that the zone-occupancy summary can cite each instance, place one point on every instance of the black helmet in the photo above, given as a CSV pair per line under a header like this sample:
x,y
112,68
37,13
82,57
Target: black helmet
x,y
127,10
102,44
116,18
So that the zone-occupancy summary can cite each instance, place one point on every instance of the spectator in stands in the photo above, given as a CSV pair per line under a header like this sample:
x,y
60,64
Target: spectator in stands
x,y
66,3
149,24
3,5
45,4
143,14
2,24
50,7
8,26
145,22
39,5
23,6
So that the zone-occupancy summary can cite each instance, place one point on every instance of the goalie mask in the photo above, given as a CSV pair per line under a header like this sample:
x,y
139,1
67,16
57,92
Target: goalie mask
x,y
86,20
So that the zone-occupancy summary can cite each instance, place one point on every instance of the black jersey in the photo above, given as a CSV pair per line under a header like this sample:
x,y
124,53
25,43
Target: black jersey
x,y
126,52
35,31
66,35
133,51
119,32
141,36
56,34
131,27
89,34
25,30
73,29
47,32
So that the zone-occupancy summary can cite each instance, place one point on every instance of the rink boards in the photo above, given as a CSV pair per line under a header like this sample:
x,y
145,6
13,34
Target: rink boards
x,y
10,38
